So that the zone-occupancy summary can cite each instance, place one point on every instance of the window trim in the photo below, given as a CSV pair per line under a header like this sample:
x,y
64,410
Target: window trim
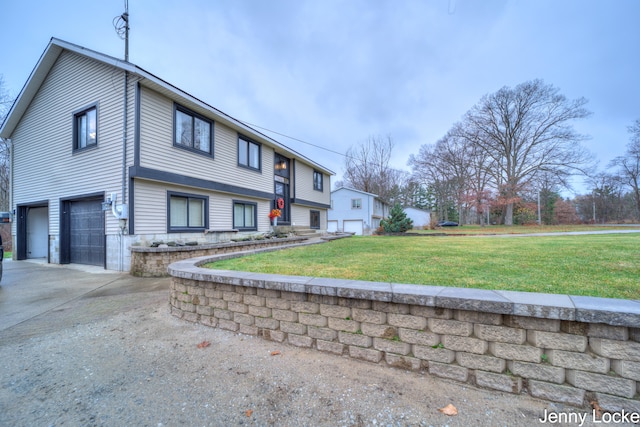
x,y
177,107
249,141
311,226
255,214
188,229
359,203
79,113
315,187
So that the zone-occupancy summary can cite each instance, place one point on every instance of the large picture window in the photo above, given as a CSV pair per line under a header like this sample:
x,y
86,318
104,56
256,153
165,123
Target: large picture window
x,y
244,215
249,153
317,180
192,131
85,128
187,212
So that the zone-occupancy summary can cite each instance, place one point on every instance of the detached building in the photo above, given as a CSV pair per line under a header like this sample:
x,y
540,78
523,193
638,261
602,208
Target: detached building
x,y
106,155
355,211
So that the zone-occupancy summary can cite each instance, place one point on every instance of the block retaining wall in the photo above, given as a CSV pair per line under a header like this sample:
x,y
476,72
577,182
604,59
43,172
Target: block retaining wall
x,y
561,348
153,262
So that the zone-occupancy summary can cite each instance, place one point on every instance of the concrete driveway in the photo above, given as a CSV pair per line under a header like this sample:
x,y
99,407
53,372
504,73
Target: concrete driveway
x,y
30,289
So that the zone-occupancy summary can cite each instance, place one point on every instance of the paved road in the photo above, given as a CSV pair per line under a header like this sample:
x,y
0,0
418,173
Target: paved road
x,y
564,233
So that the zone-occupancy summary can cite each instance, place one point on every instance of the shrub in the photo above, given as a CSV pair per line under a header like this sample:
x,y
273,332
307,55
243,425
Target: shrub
x,y
397,222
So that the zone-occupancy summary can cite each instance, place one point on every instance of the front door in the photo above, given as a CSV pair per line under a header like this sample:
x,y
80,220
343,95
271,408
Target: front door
x,y
281,189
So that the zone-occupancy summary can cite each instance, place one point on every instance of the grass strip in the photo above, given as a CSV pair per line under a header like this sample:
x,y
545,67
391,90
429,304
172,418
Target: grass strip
x,y
593,265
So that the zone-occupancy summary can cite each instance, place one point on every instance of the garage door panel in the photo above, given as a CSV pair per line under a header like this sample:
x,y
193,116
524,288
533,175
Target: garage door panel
x,y
86,232
353,226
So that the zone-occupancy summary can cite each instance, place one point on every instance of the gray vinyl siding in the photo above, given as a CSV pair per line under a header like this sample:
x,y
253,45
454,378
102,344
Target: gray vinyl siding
x,y
301,216
158,152
45,166
304,185
151,208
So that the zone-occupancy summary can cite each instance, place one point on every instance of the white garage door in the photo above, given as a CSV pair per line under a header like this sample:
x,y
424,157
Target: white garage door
x,y
353,226
332,226
37,232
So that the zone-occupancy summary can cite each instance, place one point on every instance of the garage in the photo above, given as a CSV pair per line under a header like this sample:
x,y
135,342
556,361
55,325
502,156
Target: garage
x,y
353,226
82,234
32,231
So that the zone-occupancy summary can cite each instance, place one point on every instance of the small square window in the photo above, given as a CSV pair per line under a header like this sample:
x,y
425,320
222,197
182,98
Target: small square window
x,y
85,128
244,215
249,153
317,180
356,203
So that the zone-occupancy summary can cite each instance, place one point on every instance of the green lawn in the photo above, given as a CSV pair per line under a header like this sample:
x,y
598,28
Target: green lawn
x,y
595,265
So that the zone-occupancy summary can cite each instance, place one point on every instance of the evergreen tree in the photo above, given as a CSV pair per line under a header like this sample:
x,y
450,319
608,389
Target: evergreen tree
x,y
397,221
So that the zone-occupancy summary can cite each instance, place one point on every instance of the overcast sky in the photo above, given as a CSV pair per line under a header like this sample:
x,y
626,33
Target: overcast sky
x,y
333,73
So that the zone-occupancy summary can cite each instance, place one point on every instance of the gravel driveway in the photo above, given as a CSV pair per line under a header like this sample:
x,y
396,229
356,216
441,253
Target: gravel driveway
x,y
114,356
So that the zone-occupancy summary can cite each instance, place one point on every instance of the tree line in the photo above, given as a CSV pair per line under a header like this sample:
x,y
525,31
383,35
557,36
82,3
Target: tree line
x,y
506,162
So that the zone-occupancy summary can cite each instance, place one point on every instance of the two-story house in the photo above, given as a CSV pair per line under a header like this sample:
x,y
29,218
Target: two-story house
x,y
105,155
355,211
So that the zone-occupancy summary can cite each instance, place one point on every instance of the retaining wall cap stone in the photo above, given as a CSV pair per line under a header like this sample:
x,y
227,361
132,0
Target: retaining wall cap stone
x,y
548,306
424,295
617,312
474,299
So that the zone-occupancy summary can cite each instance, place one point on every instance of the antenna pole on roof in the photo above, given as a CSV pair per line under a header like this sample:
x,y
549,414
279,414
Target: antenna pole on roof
x,y
125,18
121,24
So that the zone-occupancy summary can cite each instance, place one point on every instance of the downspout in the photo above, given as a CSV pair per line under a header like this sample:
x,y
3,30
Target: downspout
x,y
12,209
124,166
124,139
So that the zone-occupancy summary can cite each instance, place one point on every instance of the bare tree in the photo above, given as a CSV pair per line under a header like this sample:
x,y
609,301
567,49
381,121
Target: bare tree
x,y
367,169
431,168
6,100
628,166
607,194
525,131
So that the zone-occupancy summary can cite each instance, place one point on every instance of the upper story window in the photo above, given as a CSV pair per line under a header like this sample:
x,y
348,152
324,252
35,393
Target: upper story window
x,y
85,128
187,212
192,131
249,153
317,180
356,203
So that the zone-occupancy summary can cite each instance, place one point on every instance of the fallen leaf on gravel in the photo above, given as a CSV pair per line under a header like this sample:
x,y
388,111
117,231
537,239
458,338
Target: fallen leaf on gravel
x,y
449,410
204,344
248,412
275,352
597,410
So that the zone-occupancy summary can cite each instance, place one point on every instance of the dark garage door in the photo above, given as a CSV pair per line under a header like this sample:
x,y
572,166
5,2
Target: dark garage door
x,y
86,232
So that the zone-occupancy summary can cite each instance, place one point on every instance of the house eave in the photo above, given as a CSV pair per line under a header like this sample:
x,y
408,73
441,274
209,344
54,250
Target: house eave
x,y
57,46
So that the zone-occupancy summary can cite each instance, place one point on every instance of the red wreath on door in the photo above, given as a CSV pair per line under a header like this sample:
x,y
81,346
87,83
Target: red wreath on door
x,y
280,203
